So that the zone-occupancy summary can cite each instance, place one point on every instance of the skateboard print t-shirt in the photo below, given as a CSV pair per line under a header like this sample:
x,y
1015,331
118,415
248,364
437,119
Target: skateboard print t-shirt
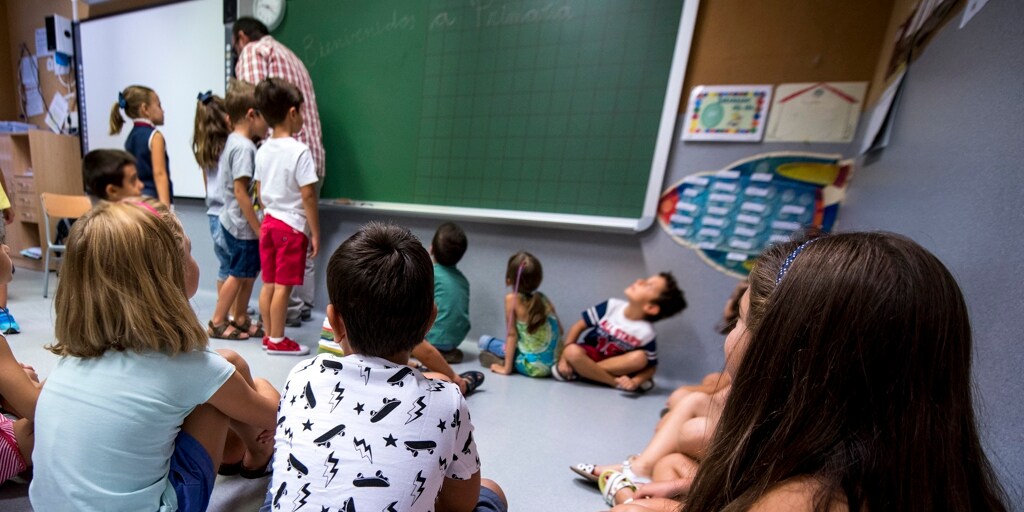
x,y
362,433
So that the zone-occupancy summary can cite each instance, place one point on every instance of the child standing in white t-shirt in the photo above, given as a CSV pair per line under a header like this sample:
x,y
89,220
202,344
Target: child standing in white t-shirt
x,y
286,175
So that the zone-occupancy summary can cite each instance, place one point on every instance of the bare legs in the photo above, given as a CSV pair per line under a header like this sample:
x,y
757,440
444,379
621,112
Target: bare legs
x,y
576,361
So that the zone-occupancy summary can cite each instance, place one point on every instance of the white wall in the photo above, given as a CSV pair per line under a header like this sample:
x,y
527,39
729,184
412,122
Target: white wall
x,y
171,49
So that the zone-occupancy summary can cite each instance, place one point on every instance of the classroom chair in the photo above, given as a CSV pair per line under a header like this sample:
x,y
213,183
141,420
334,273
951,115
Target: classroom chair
x,y
56,207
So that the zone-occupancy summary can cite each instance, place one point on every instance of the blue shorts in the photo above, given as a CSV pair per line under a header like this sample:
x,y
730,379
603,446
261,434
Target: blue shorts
x,y
220,248
245,256
489,502
191,474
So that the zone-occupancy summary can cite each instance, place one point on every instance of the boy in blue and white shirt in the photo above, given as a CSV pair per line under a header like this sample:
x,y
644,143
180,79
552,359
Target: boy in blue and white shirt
x,y
619,347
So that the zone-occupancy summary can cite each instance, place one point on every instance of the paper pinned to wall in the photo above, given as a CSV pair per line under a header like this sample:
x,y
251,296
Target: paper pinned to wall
x,y
876,135
41,50
816,112
973,6
58,113
33,102
29,73
727,112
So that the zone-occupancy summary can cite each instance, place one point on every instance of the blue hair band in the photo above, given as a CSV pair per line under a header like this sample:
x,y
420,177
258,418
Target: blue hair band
x,y
121,101
205,97
789,260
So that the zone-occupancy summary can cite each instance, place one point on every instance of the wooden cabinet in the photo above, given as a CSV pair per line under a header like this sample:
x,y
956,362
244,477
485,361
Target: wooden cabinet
x,y
32,163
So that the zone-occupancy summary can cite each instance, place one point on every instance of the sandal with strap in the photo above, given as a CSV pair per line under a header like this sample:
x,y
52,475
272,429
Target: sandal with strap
x,y
247,327
610,483
217,331
473,380
628,472
586,471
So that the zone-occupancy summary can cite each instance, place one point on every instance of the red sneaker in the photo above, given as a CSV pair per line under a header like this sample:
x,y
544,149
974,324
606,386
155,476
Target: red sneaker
x,y
266,341
287,346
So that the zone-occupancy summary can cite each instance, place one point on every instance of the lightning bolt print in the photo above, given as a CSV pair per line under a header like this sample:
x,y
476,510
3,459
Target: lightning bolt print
x,y
416,412
300,498
456,423
336,396
418,486
363,449
391,507
365,373
311,361
331,467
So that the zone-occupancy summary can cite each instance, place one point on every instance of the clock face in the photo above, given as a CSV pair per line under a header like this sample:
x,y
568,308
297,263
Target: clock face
x,y
270,12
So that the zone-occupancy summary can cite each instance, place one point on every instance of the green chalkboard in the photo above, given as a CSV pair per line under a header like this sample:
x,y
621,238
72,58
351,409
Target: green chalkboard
x,y
542,107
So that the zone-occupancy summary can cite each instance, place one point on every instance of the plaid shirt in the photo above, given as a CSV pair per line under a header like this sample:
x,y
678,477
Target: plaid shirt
x,y
268,58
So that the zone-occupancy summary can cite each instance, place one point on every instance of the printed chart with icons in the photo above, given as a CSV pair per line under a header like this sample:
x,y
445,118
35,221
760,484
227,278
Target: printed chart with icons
x,y
727,112
730,216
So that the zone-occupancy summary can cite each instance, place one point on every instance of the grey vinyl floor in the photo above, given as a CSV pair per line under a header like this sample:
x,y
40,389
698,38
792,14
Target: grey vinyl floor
x,y
529,431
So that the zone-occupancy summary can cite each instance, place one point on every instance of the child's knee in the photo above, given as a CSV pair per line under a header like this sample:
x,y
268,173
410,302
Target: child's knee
x,y
637,359
574,352
493,486
236,359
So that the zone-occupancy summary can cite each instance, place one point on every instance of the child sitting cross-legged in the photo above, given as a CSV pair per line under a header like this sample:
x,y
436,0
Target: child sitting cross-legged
x,y
619,348
365,431
138,411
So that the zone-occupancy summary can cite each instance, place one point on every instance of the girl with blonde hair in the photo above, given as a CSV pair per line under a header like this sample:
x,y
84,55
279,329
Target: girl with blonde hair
x,y
136,413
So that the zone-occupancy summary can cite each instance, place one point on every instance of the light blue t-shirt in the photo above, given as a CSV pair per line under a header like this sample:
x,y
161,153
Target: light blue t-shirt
x,y
105,428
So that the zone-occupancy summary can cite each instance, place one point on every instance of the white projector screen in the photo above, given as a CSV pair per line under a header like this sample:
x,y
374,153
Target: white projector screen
x,y
177,50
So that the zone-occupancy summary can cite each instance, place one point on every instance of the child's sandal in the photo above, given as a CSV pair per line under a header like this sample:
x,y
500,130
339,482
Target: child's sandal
x,y
247,327
610,483
217,331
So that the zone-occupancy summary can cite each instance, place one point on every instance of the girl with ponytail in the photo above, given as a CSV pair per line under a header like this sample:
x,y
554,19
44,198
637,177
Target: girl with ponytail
x,y
533,332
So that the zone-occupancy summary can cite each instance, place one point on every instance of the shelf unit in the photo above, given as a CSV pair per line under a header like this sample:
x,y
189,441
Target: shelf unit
x,y
36,162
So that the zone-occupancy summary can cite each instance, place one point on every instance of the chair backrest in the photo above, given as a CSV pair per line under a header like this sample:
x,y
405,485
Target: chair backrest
x,y
62,206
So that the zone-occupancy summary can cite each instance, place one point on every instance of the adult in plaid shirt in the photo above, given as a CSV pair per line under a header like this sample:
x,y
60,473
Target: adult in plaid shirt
x,y
261,56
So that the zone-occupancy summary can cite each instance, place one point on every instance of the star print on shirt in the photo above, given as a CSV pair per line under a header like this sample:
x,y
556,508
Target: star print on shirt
x,y
293,399
390,441
358,408
308,425
441,425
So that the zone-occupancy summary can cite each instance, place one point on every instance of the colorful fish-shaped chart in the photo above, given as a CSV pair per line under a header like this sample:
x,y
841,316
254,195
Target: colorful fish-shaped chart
x,y
730,216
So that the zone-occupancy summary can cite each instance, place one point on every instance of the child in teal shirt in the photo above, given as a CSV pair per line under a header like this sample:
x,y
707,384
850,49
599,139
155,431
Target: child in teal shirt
x,y
451,292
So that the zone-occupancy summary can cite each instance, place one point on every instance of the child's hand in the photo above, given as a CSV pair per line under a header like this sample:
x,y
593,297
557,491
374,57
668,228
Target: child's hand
x,y
500,369
31,372
667,489
626,383
267,436
315,242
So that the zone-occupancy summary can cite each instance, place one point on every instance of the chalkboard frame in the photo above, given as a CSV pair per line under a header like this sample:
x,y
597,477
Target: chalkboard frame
x,y
655,181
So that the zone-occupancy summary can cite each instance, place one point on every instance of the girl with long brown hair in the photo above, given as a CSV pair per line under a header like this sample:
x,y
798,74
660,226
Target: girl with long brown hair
x,y
851,389
533,332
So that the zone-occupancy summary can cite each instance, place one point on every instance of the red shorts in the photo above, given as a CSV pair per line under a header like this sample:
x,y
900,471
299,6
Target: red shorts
x,y
594,354
282,253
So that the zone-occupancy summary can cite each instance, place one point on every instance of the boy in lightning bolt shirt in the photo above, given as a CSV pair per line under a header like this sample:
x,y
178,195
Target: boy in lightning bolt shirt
x,y
365,431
